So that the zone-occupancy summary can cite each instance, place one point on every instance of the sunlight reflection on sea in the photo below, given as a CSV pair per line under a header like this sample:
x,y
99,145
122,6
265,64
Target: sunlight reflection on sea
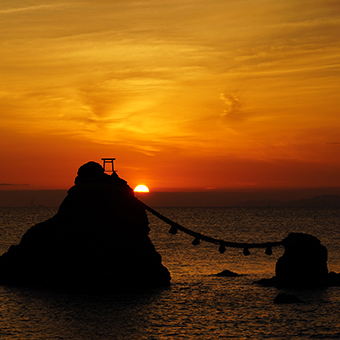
x,y
197,305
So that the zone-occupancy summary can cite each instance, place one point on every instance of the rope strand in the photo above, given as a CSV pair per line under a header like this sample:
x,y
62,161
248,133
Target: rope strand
x,y
222,243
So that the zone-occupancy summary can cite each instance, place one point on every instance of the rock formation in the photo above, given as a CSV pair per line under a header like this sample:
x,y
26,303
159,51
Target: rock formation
x,y
304,262
98,240
227,273
303,265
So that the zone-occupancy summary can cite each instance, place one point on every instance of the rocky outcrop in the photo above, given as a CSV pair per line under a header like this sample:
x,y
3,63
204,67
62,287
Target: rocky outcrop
x,y
302,266
98,240
304,262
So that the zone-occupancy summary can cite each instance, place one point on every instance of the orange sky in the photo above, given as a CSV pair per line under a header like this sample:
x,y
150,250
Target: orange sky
x,y
187,95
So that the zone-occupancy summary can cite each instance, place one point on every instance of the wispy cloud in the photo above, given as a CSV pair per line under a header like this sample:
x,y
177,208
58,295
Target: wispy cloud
x,y
233,104
29,8
232,112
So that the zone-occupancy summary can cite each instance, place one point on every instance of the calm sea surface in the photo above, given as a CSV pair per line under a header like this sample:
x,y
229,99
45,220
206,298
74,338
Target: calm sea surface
x,y
197,305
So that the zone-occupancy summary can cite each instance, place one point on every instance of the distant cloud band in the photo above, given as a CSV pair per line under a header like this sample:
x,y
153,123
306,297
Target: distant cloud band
x,y
12,185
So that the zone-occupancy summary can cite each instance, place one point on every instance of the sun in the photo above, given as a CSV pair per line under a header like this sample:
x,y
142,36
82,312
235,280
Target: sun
x,y
141,188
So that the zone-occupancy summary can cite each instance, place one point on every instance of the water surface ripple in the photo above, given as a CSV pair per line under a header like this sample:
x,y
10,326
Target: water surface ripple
x,y
197,305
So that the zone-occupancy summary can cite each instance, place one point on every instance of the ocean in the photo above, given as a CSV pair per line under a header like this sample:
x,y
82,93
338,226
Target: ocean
x,y
198,304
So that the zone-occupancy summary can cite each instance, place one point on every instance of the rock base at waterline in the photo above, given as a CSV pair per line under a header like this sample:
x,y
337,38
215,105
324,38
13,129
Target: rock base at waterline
x,y
284,298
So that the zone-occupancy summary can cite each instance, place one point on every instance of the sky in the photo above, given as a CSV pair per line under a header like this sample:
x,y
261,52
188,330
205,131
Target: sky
x,y
186,95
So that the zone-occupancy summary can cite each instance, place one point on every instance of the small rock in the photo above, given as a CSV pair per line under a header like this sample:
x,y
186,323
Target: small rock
x,y
227,273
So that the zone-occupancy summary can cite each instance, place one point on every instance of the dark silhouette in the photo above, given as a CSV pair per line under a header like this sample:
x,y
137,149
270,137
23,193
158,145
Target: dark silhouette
x,y
304,262
98,240
227,273
303,265
108,161
284,298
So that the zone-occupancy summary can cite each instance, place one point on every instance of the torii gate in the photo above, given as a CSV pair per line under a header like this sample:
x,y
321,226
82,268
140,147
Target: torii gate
x,y
108,161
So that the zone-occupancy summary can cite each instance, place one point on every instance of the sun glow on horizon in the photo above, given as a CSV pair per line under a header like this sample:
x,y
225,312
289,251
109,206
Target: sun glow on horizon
x,y
242,103
141,188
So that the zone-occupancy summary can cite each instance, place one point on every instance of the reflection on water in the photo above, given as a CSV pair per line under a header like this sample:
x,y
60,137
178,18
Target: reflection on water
x,y
210,309
35,314
197,305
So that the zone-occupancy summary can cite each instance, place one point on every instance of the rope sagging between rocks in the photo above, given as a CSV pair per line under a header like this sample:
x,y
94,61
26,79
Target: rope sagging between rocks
x,y
222,243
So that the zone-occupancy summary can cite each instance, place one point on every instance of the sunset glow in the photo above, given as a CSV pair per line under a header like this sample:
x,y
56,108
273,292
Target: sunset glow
x,y
185,95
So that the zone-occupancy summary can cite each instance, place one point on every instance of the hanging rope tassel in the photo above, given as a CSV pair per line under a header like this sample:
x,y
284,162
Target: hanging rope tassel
x,y
222,248
269,251
196,241
198,237
173,230
246,251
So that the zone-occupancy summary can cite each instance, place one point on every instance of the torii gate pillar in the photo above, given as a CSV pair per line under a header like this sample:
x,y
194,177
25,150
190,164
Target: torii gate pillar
x,y
108,161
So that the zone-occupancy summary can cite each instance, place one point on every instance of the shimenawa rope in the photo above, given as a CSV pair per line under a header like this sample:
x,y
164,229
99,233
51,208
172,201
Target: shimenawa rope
x,y
222,243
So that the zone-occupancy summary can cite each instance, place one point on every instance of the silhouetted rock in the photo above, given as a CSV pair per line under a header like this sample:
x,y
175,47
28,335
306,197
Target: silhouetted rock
x,y
98,240
303,264
284,298
227,273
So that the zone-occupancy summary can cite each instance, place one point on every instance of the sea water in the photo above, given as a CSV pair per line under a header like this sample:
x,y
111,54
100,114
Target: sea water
x,y
198,304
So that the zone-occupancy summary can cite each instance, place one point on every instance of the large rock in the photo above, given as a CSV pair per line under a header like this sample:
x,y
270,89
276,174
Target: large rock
x,y
303,264
98,240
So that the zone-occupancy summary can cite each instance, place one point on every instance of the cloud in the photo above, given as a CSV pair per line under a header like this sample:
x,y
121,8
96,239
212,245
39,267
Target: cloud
x,y
233,106
28,8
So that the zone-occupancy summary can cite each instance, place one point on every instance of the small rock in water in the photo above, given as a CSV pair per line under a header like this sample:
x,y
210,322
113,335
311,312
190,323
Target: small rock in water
x,y
227,273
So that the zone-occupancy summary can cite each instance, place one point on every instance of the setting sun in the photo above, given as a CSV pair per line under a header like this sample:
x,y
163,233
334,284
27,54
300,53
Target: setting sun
x,y
141,188
242,104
